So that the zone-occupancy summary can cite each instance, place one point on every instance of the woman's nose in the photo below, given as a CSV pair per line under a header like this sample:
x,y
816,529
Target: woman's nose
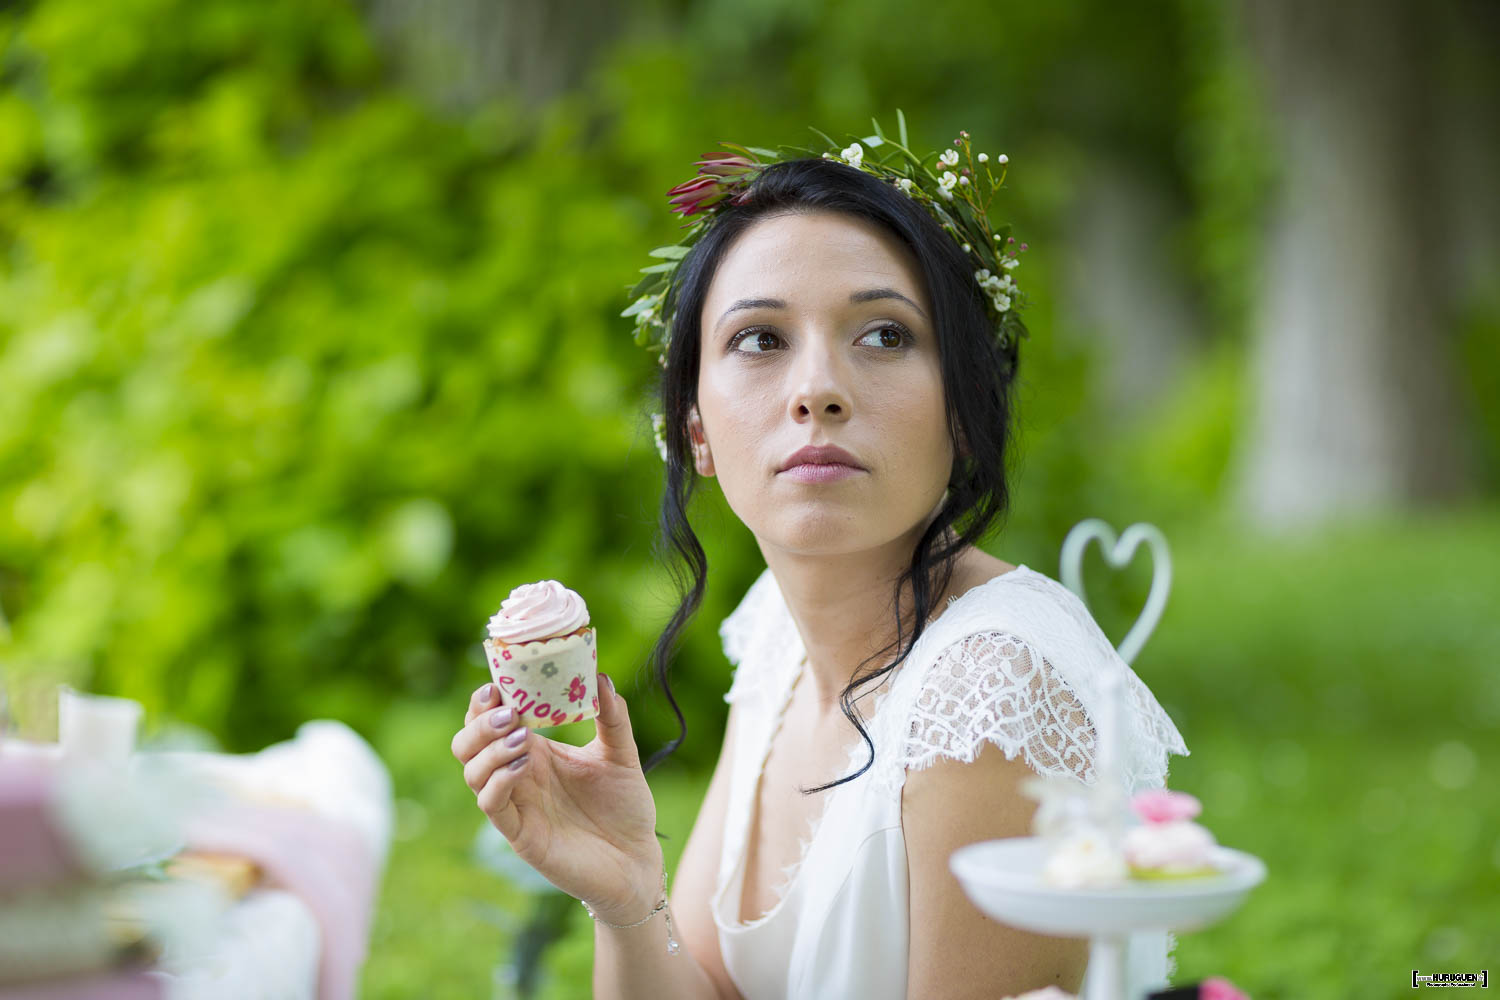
x,y
820,385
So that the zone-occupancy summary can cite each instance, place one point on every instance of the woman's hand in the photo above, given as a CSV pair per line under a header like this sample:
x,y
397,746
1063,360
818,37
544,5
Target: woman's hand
x,y
581,816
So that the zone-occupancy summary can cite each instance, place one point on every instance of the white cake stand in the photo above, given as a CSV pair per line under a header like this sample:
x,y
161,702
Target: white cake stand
x,y
1003,878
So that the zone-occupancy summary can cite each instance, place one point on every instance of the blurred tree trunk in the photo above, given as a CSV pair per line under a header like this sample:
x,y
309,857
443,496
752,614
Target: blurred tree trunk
x,y
1126,290
460,53
1355,401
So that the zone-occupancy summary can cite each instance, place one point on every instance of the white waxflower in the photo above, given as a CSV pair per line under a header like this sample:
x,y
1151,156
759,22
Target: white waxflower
x,y
967,248
1009,262
964,179
1002,303
1002,158
948,157
854,155
905,183
984,157
948,180
981,274
658,430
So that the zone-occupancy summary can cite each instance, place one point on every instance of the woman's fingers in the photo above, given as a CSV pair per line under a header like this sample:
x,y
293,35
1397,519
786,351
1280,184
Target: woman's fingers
x,y
479,701
480,731
494,797
501,752
494,750
613,724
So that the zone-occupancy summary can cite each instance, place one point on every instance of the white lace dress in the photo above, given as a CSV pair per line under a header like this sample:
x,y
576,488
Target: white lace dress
x,y
1016,661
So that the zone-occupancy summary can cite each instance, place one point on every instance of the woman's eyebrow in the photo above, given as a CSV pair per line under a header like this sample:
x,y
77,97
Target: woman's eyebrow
x,y
868,295
751,304
871,294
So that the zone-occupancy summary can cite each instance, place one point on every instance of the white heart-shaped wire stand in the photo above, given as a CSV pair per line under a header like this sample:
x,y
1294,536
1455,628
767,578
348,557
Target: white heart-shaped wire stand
x,y
1118,553
989,871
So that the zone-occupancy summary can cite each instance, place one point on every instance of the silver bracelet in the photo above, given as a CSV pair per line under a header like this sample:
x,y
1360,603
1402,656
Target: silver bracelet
x,y
672,946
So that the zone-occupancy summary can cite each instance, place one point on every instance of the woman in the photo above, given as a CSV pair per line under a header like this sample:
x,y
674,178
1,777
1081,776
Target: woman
x,y
833,363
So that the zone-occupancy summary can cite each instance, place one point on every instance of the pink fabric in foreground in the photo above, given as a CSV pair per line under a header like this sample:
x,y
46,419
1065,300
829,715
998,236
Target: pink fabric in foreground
x,y
324,862
122,985
34,849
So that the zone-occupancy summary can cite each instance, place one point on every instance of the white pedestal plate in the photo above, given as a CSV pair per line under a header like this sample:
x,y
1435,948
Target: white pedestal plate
x,y
1003,878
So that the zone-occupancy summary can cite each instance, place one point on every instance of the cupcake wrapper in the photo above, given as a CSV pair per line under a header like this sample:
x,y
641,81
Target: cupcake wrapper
x,y
549,682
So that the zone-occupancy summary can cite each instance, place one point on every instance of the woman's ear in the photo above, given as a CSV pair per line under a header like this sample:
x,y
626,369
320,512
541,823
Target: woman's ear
x,y
703,458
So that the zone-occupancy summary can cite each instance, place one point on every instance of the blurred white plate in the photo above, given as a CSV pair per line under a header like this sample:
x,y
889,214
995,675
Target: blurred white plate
x,y
1004,879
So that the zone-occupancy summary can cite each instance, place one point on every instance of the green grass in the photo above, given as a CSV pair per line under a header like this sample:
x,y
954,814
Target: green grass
x,y
1341,698
435,934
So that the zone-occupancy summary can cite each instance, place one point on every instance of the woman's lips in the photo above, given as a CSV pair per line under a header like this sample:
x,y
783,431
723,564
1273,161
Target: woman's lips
x,y
810,473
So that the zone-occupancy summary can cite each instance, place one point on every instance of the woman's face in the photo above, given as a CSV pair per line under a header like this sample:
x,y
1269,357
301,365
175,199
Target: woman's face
x,y
816,331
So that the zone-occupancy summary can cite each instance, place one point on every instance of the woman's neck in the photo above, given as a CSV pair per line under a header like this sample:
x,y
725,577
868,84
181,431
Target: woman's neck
x,y
841,606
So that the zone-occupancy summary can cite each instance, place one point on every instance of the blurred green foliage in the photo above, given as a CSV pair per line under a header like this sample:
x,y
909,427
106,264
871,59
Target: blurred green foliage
x,y
300,377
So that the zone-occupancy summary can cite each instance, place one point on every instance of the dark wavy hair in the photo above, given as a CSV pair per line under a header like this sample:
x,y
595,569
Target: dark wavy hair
x,y
978,376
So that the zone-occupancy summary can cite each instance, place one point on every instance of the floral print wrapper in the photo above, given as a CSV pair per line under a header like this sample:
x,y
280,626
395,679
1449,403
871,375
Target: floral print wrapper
x,y
549,682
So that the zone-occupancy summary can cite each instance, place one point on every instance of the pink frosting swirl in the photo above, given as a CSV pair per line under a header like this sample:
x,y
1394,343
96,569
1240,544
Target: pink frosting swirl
x,y
538,611
1159,805
1180,845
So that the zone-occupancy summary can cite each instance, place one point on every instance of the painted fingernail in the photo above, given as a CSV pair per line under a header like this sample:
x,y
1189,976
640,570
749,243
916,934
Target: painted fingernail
x,y
515,765
516,738
501,717
608,683
485,693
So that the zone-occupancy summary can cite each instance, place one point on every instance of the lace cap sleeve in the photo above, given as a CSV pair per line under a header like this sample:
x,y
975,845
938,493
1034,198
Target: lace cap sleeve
x,y
1019,662
995,687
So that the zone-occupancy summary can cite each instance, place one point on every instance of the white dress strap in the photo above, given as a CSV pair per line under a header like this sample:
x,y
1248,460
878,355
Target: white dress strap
x,y
764,645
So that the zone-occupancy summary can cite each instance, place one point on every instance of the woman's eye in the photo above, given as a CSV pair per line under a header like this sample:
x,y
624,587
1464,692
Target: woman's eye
x,y
890,336
763,340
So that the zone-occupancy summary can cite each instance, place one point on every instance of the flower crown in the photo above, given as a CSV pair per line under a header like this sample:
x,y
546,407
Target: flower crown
x,y
955,186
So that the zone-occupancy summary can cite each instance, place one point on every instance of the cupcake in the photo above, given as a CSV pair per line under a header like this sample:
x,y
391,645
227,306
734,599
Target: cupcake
x,y
1168,844
542,655
1084,858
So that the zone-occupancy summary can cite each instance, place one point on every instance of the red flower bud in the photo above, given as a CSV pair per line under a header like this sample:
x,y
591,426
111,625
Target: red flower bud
x,y
725,165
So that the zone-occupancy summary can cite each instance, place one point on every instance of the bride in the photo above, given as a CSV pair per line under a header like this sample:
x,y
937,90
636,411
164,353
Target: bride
x,y
833,362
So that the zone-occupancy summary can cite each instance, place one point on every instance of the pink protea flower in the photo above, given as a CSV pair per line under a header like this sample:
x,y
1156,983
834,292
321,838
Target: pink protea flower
x,y
726,164
1159,805
691,197
719,174
1218,988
